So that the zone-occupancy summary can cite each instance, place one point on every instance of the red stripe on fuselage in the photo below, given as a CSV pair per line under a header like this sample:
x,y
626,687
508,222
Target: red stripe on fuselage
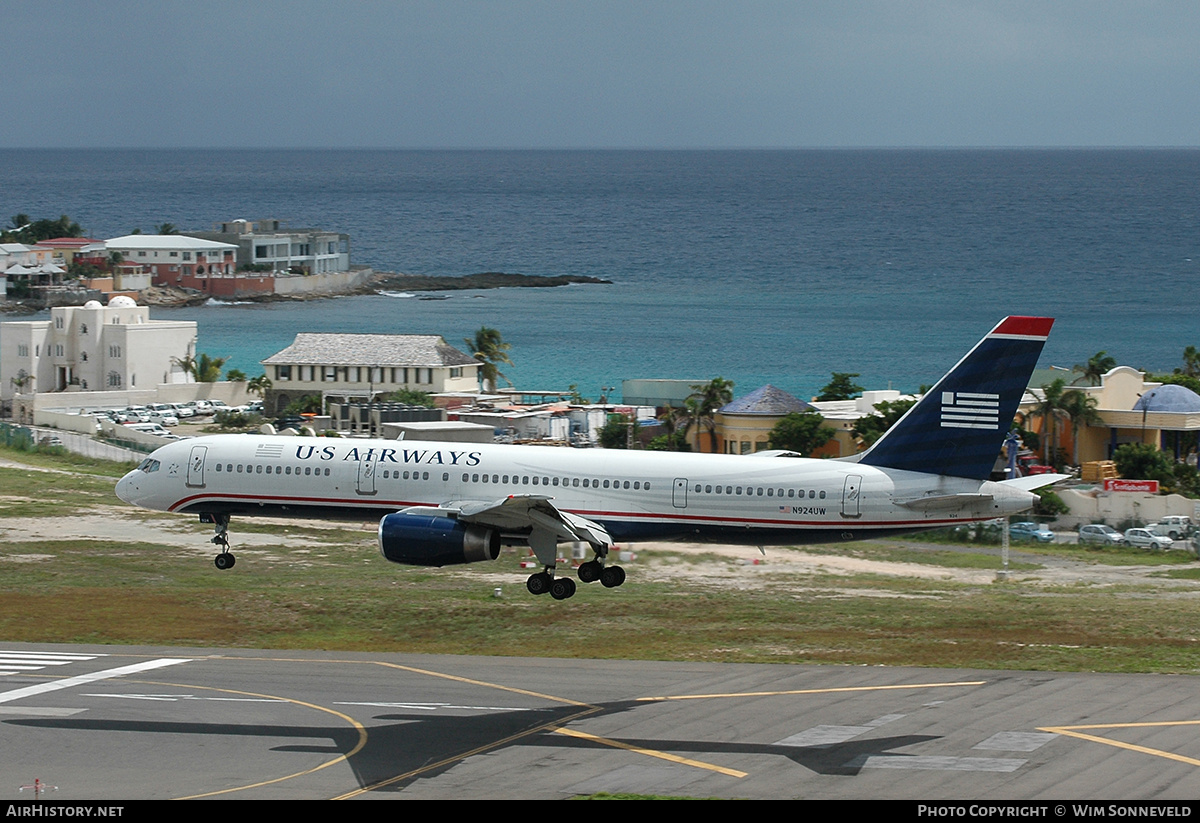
x,y
597,515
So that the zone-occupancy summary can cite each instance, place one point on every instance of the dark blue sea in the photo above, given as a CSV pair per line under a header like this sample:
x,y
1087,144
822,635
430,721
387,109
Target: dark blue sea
x,y
759,266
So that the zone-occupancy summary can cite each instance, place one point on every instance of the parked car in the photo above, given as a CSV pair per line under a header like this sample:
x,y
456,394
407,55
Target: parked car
x,y
182,410
1146,539
165,418
1100,534
1174,526
149,428
1031,531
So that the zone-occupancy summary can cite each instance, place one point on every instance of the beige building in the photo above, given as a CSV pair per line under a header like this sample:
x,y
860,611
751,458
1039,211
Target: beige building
x,y
92,348
364,366
1131,410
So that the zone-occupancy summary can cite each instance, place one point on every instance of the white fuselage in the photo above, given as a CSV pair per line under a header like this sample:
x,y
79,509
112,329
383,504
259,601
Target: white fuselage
x,y
636,495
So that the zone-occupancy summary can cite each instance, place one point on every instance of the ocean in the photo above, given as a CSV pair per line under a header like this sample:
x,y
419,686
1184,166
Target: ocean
x,y
758,266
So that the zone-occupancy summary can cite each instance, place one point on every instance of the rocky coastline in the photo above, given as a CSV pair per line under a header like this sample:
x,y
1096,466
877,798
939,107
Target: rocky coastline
x,y
382,281
173,296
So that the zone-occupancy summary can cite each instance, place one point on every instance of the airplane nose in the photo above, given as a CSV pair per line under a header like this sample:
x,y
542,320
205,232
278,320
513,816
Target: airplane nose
x,y
126,488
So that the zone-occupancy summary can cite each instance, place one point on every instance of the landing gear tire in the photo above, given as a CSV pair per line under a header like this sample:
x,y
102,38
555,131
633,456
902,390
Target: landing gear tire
x,y
224,560
562,588
590,571
612,576
539,583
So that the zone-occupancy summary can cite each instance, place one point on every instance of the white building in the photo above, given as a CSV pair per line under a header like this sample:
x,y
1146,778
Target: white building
x,y
176,259
93,348
365,366
271,244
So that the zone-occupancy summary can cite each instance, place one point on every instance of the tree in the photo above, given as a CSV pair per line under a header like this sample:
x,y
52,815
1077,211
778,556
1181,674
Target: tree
x,y
1097,365
673,439
235,376
1191,363
25,230
259,385
411,397
166,228
615,433
870,428
202,368
308,404
1051,410
1080,409
803,432
1142,461
701,406
489,348
840,387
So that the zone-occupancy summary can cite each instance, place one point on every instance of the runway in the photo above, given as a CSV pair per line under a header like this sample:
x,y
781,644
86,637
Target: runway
x,y
123,723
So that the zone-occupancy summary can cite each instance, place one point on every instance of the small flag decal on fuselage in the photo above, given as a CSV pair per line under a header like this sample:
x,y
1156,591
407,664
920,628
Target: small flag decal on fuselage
x,y
970,410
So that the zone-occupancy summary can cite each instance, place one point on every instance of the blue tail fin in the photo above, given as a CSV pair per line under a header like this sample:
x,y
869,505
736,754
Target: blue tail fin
x,y
959,426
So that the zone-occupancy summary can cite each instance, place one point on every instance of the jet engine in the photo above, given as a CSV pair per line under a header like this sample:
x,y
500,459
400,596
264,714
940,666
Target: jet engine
x,y
427,540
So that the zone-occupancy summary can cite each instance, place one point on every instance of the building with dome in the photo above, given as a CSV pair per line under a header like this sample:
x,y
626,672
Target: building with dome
x,y
1130,410
93,347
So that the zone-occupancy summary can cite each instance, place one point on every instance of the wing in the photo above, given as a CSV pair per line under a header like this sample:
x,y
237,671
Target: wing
x,y
532,516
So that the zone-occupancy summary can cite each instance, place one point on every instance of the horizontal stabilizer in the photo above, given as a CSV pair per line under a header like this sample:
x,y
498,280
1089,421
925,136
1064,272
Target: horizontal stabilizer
x,y
945,501
1034,481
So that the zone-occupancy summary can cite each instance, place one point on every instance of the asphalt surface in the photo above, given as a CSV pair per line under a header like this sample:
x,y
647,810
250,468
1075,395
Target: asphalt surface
x,y
103,722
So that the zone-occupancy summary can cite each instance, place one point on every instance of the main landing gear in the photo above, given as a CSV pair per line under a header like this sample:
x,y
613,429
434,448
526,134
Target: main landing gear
x,y
225,559
560,588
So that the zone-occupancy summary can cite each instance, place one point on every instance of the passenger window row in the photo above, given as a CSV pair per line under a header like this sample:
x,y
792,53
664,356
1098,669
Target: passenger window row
x,y
760,491
231,468
576,482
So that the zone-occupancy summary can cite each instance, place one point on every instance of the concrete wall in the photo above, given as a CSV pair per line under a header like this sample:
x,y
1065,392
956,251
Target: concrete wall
x,y
1117,507
330,282
28,408
82,423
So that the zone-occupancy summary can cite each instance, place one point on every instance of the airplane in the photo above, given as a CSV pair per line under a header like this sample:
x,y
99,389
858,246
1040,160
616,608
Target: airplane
x,y
442,503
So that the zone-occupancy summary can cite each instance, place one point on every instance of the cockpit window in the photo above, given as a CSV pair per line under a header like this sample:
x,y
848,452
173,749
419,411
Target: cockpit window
x,y
148,465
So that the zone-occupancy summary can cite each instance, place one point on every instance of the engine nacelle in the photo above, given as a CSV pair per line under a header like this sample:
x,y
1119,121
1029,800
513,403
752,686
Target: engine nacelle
x,y
426,540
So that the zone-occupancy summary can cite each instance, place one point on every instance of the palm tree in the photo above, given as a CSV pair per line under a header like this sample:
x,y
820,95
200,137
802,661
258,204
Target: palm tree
x,y
1097,365
1080,409
489,349
703,403
1051,409
259,385
1191,362
166,228
202,368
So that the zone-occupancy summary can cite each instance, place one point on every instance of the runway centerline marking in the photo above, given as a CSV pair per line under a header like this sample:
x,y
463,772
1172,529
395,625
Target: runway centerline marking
x,y
90,677
674,758
1074,731
835,690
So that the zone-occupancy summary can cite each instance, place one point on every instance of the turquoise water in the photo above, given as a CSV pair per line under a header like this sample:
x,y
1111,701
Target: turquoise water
x,y
761,267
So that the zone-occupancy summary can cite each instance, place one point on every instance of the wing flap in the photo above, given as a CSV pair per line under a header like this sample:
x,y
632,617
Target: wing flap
x,y
519,512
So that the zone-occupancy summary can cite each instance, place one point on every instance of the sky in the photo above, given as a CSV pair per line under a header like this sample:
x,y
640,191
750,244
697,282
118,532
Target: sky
x,y
598,74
